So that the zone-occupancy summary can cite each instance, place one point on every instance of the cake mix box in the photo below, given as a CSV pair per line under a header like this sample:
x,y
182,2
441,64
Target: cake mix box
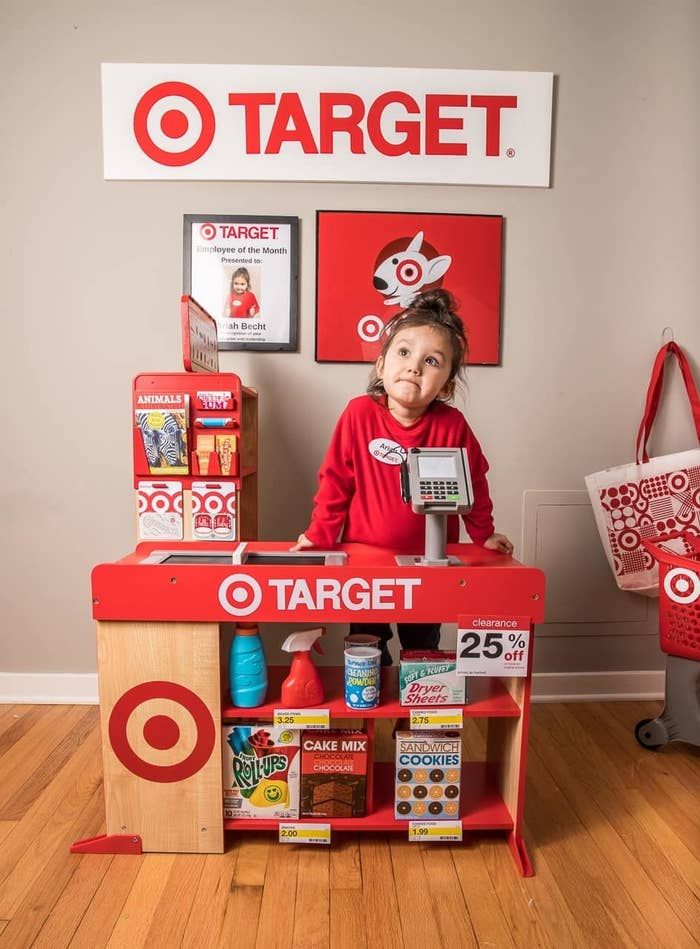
x,y
261,771
430,678
334,773
428,771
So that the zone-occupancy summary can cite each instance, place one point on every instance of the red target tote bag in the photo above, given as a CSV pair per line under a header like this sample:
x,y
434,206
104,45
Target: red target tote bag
x,y
652,496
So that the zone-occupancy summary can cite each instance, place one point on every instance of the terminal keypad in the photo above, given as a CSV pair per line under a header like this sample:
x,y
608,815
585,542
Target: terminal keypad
x,y
437,489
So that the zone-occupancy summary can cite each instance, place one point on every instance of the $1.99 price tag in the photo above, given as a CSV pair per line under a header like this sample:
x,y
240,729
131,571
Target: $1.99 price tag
x,y
436,718
493,645
435,830
313,718
301,833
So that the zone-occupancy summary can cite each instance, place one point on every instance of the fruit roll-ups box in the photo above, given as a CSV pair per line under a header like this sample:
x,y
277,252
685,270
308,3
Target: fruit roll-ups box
x,y
429,677
334,773
428,772
261,771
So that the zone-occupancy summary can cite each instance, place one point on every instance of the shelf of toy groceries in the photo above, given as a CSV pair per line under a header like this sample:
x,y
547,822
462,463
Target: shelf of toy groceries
x,y
481,805
486,698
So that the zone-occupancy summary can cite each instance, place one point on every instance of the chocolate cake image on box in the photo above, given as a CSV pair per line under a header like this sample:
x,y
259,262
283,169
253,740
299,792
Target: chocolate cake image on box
x,y
333,796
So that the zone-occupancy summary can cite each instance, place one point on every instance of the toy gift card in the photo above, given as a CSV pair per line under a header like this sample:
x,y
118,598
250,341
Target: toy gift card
x,y
213,510
160,510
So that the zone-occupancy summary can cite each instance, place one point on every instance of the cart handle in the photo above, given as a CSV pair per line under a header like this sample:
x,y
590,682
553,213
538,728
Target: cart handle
x,y
666,556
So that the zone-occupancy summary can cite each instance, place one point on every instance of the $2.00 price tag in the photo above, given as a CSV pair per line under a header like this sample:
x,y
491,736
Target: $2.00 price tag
x,y
301,833
490,645
435,830
312,718
436,718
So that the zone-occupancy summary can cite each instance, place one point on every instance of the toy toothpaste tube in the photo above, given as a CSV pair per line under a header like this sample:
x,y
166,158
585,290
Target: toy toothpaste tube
x,y
429,678
261,771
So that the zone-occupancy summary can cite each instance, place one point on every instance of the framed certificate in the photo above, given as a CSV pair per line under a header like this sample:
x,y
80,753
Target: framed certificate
x,y
244,271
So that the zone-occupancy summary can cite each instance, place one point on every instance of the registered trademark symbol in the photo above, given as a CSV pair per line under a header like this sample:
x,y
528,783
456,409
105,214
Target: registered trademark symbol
x,y
510,153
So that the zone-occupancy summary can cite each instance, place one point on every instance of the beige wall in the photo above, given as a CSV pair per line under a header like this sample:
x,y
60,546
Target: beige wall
x,y
595,267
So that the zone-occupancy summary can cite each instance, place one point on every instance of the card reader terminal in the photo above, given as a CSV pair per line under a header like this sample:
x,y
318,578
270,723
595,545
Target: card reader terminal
x,y
436,482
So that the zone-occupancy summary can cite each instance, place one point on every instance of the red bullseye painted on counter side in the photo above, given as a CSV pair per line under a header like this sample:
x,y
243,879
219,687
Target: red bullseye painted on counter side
x,y
162,732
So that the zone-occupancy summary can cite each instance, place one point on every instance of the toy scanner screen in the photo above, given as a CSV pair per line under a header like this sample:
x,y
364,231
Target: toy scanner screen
x,y
435,466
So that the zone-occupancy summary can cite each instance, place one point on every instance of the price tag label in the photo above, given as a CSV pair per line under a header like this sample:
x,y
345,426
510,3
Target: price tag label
x,y
313,718
301,833
490,645
430,830
436,718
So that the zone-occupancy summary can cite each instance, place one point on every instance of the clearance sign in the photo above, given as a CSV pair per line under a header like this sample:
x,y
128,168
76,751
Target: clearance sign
x,y
322,123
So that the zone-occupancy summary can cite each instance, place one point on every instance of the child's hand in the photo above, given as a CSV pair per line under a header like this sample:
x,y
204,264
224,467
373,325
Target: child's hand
x,y
497,542
302,543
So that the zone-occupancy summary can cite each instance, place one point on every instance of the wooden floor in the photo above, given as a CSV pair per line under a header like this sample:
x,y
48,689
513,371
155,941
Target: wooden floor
x,y
613,831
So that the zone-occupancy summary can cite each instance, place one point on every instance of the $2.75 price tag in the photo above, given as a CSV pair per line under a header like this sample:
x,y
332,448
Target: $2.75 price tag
x,y
489,645
304,833
436,718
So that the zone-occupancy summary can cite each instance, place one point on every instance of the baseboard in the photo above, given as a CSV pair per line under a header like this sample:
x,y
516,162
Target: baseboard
x,y
45,688
598,686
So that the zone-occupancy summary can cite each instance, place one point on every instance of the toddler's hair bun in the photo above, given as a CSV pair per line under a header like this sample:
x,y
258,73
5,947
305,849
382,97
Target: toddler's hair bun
x,y
435,300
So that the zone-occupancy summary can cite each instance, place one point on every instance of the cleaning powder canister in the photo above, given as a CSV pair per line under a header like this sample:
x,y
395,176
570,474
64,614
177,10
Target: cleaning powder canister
x,y
362,676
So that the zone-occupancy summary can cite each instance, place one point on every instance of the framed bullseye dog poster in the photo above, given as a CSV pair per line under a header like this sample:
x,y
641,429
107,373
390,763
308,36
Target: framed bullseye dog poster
x,y
373,264
244,271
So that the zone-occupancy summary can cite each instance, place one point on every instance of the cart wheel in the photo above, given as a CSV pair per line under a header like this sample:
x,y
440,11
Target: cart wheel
x,y
651,733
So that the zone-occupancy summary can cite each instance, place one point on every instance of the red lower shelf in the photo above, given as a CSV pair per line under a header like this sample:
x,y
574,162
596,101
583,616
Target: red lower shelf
x,y
481,805
486,698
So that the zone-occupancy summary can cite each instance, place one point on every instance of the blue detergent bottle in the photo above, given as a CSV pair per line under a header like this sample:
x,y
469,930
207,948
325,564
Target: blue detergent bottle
x,y
247,667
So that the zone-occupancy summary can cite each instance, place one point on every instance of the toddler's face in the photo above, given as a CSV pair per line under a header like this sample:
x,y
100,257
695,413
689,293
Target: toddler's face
x,y
240,284
416,367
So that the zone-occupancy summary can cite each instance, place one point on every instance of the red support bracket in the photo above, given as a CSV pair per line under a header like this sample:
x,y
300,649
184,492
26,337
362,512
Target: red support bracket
x,y
520,855
108,843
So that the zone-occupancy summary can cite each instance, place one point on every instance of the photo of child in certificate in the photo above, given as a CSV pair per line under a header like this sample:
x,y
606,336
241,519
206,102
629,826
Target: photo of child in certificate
x,y
241,302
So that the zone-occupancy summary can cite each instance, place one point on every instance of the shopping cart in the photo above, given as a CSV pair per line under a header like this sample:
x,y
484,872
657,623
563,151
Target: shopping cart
x,y
679,633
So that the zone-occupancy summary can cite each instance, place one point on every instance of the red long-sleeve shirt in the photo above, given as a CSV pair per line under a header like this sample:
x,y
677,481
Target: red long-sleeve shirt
x,y
359,491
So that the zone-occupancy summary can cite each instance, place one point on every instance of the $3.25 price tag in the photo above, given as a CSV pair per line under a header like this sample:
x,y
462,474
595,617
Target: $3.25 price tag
x,y
313,718
493,645
301,833
435,830
436,718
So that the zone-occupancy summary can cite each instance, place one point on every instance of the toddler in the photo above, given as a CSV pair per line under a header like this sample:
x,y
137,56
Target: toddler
x,y
405,407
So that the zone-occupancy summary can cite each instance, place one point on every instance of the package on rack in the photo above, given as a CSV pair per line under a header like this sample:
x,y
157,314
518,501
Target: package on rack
x,y
261,771
334,773
429,677
428,773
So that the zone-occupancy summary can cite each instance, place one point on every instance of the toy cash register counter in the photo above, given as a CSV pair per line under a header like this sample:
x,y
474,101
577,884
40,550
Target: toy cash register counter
x,y
162,699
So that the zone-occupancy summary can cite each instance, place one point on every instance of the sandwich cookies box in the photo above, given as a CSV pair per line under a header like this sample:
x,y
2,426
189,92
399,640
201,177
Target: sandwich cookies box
x,y
261,771
428,770
430,678
333,773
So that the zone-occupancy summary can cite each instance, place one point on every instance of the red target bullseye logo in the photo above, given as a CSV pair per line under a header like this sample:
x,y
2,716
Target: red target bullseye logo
x,y
409,272
208,232
682,586
165,123
162,732
240,595
370,328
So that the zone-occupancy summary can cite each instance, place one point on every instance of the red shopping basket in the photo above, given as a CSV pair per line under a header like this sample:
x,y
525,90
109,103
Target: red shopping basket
x,y
679,595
